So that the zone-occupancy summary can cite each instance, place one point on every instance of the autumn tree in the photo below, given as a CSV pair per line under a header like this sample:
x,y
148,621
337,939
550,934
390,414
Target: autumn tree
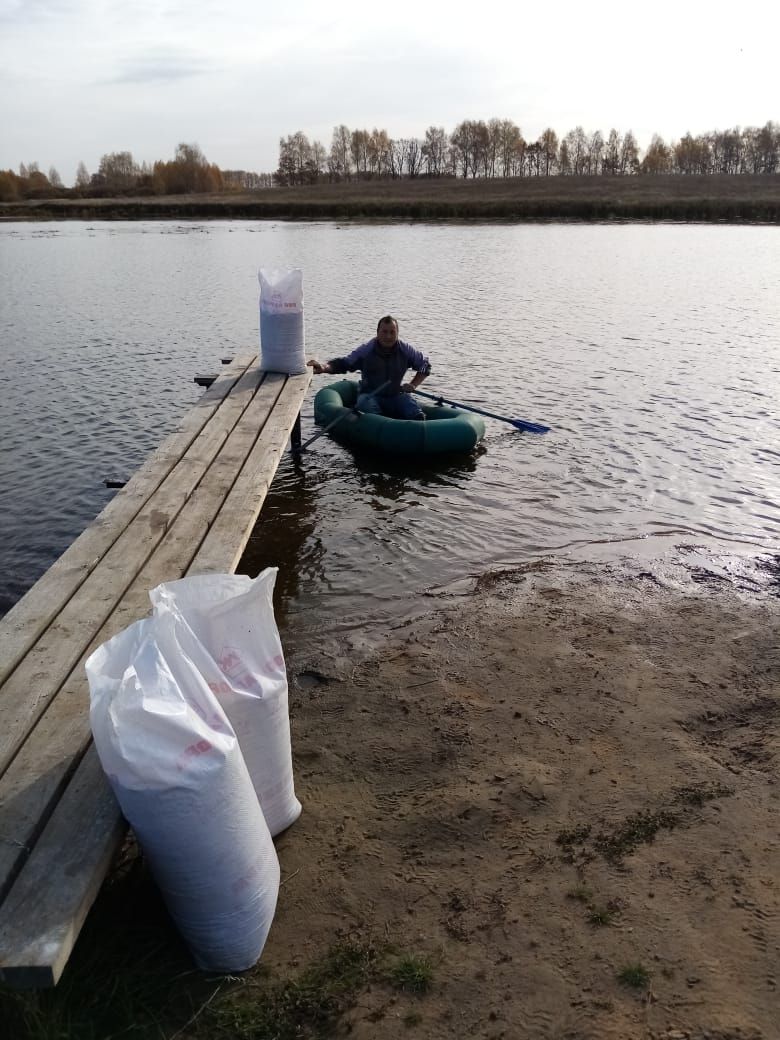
x,y
508,138
629,154
576,151
37,184
470,140
533,158
340,155
189,172
762,148
691,155
564,159
549,151
378,153
658,157
117,173
358,148
297,164
595,153
10,186
434,150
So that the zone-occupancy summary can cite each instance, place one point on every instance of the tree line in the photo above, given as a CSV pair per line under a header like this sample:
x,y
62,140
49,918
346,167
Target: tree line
x,y
497,148
189,172
475,148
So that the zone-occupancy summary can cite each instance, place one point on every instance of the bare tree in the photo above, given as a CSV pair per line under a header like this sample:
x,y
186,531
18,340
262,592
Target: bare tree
x,y
117,172
82,177
629,154
533,158
549,146
340,156
414,157
611,160
509,137
398,152
577,150
690,155
319,156
378,152
358,145
595,152
564,159
434,150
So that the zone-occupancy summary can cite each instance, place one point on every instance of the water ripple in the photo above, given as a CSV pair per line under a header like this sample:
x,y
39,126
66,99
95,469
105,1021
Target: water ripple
x,y
645,348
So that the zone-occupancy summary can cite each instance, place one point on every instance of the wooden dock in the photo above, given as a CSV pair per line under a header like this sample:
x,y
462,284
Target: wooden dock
x,y
189,510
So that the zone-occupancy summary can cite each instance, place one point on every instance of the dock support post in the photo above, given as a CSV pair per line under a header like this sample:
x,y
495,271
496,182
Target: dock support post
x,y
295,436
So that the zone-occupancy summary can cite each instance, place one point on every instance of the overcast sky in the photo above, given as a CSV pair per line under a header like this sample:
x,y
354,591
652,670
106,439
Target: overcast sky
x,y
79,78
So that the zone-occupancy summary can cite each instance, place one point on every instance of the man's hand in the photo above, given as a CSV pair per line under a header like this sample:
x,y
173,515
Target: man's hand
x,y
409,388
318,368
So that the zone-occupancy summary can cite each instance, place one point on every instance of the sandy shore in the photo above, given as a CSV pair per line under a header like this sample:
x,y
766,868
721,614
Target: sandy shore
x,y
560,786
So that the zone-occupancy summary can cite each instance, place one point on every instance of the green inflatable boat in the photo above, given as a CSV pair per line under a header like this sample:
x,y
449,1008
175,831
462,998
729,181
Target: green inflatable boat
x,y
442,430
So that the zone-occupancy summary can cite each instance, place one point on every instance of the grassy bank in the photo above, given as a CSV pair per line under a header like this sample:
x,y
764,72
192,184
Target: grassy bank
x,y
734,199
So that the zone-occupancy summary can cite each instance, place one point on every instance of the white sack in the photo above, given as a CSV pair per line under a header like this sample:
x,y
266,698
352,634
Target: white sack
x,y
239,653
282,337
176,768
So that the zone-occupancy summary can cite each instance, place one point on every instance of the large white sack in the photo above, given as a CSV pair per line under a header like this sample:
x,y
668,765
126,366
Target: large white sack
x,y
282,335
177,770
239,653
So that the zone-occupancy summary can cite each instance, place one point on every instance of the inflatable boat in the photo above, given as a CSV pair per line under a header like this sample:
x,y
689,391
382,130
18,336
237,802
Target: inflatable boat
x,y
443,430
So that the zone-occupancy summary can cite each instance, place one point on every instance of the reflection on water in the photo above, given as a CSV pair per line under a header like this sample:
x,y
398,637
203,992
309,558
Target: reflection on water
x,y
355,533
651,351
283,535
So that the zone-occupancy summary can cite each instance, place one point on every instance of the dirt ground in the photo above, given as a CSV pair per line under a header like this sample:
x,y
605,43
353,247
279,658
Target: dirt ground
x,y
560,785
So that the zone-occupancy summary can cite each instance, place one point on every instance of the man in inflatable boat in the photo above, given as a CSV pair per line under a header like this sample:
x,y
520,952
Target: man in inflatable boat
x,y
384,359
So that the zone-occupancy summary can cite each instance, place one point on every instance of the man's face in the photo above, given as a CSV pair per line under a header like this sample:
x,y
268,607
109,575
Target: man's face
x,y
387,334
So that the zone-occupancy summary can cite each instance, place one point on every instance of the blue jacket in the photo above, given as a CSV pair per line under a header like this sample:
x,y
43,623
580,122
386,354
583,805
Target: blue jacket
x,y
377,365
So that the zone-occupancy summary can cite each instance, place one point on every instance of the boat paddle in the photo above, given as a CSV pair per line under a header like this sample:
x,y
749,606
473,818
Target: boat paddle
x,y
519,424
352,411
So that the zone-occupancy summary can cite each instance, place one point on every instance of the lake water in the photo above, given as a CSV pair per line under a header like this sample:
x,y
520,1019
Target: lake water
x,y
653,351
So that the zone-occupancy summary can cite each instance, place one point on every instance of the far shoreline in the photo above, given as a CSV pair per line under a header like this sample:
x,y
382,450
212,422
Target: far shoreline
x,y
715,199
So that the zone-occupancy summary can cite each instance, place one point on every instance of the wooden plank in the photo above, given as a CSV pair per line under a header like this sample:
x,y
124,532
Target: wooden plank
x,y
40,961
219,551
33,781
28,618
41,919
31,686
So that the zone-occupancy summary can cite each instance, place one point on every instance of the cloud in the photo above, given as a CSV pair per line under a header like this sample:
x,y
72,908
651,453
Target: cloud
x,y
19,12
156,68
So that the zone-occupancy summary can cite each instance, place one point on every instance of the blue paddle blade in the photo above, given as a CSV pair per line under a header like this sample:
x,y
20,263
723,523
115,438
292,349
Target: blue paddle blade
x,y
530,427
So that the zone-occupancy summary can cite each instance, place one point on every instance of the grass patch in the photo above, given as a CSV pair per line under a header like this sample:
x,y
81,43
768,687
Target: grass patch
x,y
411,974
130,976
582,894
306,1006
637,830
129,973
576,836
600,916
698,794
635,975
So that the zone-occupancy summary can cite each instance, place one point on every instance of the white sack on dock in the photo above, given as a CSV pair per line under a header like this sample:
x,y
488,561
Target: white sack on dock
x,y
282,336
238,652
177,770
